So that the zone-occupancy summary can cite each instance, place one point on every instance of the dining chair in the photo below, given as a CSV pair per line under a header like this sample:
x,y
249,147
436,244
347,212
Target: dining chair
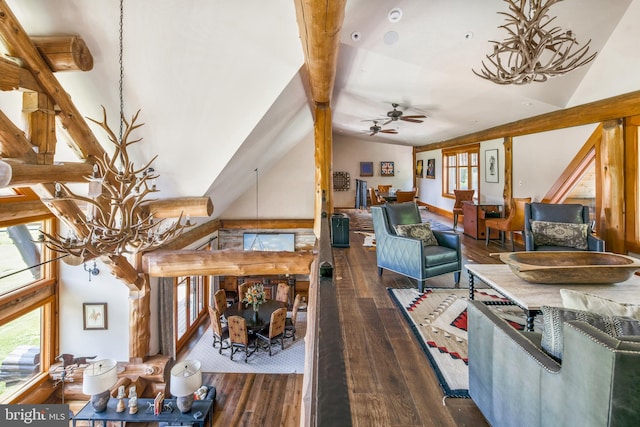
x,y
239,338
243,288
220,300
461,196
290,322
282,294
513,222
375,199
275,332
384,188
220,333
230,286
405,196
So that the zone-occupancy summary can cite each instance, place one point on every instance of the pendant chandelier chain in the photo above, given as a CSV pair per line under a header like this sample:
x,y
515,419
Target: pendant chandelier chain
x,y
120,82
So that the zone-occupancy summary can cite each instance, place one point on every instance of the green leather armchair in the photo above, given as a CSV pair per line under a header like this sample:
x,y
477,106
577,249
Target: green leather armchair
x,y
408,256
514,383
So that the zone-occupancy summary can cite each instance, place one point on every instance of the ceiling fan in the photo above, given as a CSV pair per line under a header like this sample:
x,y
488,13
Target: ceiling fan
x,y
378,129
396,114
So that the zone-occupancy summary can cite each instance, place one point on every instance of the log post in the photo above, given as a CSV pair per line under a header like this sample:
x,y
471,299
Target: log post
x,y
140,321
610,179
64,53
41,125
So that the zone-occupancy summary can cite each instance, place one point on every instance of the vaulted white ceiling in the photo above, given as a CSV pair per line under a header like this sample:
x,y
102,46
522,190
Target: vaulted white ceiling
x,y
221,84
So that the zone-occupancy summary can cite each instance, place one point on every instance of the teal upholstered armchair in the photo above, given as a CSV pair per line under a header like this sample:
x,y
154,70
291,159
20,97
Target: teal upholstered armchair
x,y
515,383
413,257
559,227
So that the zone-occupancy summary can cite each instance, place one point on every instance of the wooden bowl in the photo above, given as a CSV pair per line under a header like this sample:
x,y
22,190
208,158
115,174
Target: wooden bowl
x,y
569,267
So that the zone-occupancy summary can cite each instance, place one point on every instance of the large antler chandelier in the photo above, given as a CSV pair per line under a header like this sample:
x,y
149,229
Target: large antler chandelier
x,y
118,219
533,52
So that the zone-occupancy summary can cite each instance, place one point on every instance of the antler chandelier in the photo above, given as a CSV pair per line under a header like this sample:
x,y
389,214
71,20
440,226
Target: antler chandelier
x,y
117,219
532,52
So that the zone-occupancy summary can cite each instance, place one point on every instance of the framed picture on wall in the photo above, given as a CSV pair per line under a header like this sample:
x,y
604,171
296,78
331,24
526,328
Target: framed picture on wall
x,y
366,168
387,169
94,315
431,168
419,169
491,166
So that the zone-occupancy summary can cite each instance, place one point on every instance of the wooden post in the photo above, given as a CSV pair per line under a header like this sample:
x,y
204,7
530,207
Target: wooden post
x,y
507,192
323,160
140,321
610,161
41,125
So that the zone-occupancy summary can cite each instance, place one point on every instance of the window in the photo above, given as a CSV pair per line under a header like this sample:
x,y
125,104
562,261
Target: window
x,y
27,303
460,169
189,305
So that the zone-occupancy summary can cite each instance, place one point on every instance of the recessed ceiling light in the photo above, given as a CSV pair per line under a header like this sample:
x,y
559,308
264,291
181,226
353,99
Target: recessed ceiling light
x,y
395,14
468,35
355,36
391,37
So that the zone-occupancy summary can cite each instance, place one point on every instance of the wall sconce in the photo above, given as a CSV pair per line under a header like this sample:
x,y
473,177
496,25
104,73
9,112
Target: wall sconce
x,y
97,379
186,378
93,271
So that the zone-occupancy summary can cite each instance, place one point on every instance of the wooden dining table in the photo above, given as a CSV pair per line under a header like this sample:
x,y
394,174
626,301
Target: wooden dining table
x,y
246,311
389,197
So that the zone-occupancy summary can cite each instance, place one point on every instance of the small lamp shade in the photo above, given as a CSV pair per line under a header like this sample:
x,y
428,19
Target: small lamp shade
x,y
99,376
186,377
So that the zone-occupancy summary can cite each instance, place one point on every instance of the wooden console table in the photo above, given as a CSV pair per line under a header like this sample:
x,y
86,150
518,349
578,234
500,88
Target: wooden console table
x,y
145,415
474,216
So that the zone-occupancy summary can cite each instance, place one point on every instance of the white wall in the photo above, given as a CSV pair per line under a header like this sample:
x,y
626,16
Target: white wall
x,y
284,191
349,152
540,159
75,289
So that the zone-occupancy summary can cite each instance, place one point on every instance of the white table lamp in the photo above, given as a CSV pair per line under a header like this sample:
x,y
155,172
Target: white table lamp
x,y
97,379
186,378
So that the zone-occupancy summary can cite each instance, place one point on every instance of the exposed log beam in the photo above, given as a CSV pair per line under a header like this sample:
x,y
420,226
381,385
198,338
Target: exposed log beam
x,y
64,53
20,46
239,224
197,233
320,22
225,263
598,111
173,208
17,212
14,77
13,142
16,174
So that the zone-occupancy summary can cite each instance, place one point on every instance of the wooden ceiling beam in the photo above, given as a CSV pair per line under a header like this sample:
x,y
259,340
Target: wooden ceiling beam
x,y
319,23
593,112
14,77
17,174
20,45
225,263
13,142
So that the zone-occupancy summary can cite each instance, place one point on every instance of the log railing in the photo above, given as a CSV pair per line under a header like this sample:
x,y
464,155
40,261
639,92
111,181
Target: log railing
x,y
325,394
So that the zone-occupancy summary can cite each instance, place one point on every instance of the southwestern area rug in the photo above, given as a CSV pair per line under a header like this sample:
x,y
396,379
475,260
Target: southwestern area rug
x,y
438,318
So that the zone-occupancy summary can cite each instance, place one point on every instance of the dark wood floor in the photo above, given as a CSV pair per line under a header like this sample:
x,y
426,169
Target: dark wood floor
x,y
390,381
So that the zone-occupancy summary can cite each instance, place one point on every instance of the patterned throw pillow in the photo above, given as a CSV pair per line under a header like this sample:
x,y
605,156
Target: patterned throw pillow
x,y
560,234
554,318
420,231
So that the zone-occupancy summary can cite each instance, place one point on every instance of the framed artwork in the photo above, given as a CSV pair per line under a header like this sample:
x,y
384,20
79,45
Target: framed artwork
x,y
94,315
419,169
491,166
386,169
431,168
366,168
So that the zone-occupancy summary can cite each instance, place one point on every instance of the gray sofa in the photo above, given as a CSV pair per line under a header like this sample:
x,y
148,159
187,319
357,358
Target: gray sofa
x,y
514,383
410,256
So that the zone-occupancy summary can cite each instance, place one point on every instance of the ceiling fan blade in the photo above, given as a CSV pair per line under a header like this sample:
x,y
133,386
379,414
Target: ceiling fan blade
x,y
372,133
406,119
392,131
387,122
414,117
